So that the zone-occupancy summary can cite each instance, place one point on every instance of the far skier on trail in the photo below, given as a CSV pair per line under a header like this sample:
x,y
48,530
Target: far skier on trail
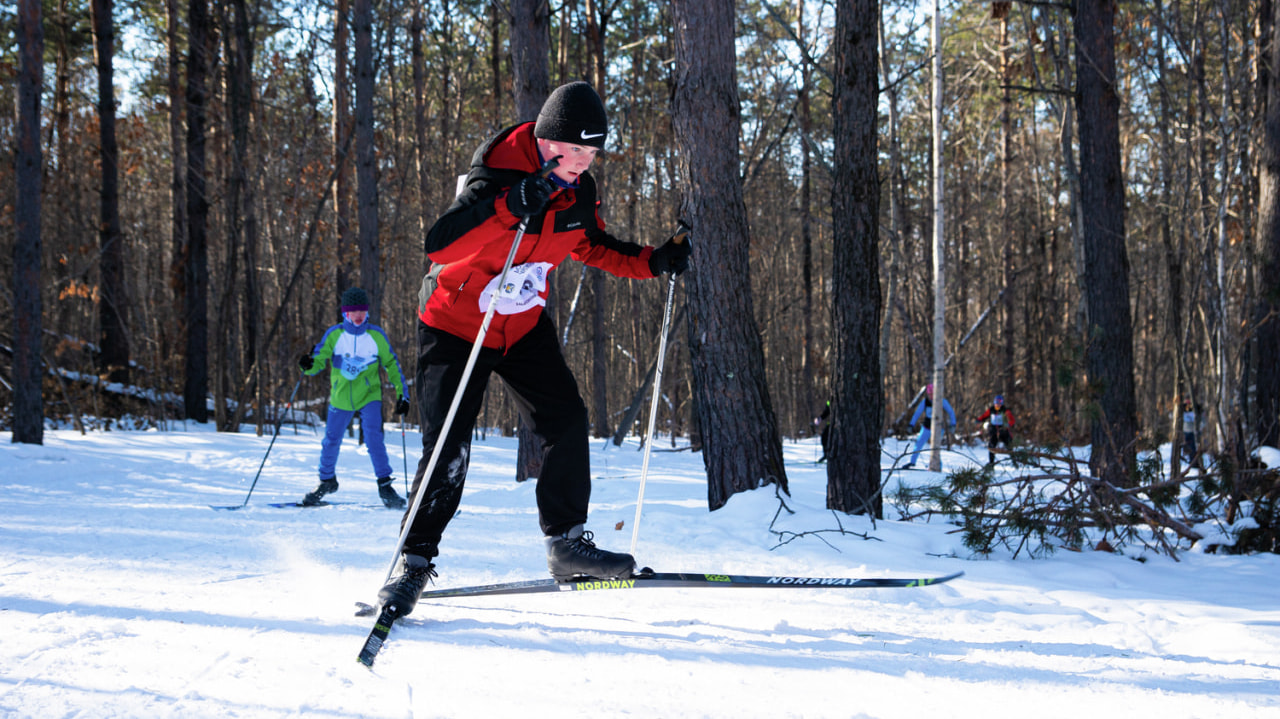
x,y
509,198
355,351
1000,420
925,410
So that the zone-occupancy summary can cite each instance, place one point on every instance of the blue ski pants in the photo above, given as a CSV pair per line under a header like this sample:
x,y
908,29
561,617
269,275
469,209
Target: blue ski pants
x,y
371,423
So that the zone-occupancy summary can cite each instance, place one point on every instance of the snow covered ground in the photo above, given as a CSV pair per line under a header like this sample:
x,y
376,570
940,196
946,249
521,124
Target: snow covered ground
x,y
123,594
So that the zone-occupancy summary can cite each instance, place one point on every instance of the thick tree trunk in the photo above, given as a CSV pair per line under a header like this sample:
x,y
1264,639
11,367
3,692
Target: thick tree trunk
x,y
195,261
530,48
367,160
811,396
1110,333
1268,241
530,52
741,447
341,145
853,465
28,329
244,222
113,356
177,194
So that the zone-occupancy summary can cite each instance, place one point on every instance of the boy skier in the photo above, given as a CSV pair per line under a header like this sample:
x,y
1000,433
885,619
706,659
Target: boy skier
x,y
998,430
468,246
355,351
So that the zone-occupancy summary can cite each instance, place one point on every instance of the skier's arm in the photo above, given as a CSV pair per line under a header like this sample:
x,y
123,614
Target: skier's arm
x,y
915,418
390,362
324,349
479,214
617,257
947,406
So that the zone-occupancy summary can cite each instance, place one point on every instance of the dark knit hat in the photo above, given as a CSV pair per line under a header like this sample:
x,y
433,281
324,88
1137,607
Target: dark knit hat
x,y
573,113
354,300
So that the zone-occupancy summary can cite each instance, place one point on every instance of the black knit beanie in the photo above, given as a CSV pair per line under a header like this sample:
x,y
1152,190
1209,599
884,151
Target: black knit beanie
x,y
354,299
573,113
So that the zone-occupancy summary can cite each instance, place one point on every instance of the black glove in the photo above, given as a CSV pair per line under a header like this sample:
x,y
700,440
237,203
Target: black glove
x,y
672,256
402,405
306,362
529,196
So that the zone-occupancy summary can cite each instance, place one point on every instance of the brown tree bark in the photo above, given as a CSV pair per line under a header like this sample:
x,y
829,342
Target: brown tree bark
x,y
367,160
113,355
341,144
177,193
28,327
530,49
853,464
1267,312
1109,353
195,261
740,442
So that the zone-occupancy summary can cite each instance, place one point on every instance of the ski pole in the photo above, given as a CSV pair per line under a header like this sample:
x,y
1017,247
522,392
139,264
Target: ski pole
x,y
276,433
681,233
404,454
407,524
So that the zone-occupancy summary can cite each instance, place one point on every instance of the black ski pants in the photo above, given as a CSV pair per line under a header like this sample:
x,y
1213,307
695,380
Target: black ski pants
x,y
546,395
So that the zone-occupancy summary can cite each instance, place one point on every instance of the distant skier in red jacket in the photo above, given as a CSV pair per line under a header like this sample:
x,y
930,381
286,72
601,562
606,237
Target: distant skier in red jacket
x,y
467,247
1001,419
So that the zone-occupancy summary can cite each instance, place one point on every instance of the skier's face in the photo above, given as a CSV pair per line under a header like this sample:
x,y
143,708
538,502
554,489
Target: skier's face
x,y
574,159
357,317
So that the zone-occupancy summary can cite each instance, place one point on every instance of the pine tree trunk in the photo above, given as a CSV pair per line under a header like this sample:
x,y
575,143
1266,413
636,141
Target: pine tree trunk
x,y
530,48
1109,354
853,464
342,131
196,260
177,193
740,442
1268,240
113,356
367,160
28,370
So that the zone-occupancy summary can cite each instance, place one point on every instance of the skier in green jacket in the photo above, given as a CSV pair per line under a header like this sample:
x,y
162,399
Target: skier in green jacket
x,y
355,351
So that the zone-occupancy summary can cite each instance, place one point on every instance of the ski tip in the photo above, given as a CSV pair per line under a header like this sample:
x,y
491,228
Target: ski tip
x,y
226,508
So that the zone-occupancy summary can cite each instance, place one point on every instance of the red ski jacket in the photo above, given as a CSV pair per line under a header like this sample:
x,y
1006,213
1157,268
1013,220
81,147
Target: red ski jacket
x,y
998,417
470,242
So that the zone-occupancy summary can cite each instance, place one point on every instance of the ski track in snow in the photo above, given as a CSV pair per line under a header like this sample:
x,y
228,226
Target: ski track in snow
x,y
123,594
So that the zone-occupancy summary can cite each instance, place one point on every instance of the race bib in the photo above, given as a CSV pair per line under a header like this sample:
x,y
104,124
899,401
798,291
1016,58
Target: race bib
x,y
522,290
351,367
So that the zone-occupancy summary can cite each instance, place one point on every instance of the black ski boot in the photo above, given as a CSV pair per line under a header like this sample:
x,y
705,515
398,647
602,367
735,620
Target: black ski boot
x,y
327,486
402,591
573,554
388,494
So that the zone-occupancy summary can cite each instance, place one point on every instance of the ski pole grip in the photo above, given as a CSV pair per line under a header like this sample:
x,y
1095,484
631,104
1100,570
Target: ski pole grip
x,y
552,164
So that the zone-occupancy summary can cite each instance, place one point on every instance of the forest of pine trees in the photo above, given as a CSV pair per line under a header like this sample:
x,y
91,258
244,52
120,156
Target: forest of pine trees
x,y
188,186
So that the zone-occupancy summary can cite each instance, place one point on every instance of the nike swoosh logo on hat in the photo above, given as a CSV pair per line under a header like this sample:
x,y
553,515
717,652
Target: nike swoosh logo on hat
x,y
585,136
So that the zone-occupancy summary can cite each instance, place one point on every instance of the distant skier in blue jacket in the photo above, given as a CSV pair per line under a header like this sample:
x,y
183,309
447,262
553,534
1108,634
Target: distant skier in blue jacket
x,y
925,410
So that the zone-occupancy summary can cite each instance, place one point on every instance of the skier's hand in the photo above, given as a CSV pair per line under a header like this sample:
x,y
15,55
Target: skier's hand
x,y
402,405
306,362
530,196
673,255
